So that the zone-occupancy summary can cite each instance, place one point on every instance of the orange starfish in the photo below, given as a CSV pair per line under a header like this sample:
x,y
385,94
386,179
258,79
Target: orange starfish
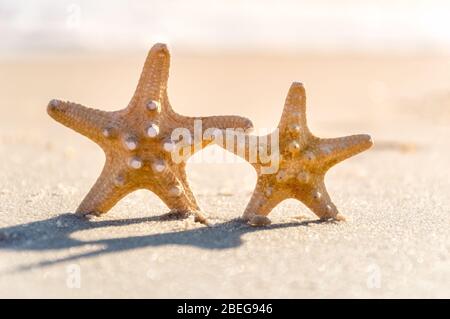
x,y
137,142
303,160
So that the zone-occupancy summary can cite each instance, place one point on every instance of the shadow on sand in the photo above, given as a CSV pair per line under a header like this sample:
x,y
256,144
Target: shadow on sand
x,y
55,234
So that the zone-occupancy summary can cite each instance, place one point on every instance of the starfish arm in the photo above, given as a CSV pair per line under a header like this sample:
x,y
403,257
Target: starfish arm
x,y
293,119
109,188
203,124
152,84
86,121
212,129
331,151
181,173
181,204
176,194
263,200
223,122
318,200
260,151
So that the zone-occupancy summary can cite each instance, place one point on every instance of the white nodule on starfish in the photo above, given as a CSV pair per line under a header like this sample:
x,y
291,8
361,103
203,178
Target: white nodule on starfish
x,y
317,195
282,176
153,105
54,102
326,149
169,146
153,130
119,181
294,147
107,132
310,156
303,177
175,191
135,163
131,144
268,191
159,166
295,128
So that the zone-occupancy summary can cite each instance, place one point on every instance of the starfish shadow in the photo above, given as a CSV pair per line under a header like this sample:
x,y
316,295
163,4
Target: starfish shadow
x,y
55,234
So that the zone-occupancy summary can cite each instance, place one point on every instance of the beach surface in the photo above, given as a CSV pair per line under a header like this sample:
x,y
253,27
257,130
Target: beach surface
x,y
396,242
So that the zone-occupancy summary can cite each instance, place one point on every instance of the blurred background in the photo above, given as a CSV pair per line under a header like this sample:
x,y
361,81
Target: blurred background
x,y
250,25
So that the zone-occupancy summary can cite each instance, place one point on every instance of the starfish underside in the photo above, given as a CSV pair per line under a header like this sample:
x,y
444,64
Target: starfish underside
x,y
137,142
304,160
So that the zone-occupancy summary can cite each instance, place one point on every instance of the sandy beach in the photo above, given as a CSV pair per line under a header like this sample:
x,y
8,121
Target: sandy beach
x,y
396,195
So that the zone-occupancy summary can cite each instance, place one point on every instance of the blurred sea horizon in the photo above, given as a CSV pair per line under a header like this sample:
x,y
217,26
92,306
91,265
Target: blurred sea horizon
x,y
396,26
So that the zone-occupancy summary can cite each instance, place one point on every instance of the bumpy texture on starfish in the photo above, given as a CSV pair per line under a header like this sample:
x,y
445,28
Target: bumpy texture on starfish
x,y
303,161
137,142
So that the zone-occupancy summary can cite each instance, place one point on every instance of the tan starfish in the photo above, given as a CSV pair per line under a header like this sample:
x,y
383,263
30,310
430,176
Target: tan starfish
x,y
303,161
137,142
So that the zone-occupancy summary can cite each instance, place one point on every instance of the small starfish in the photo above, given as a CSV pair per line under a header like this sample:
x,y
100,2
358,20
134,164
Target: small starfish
x,y
137,142
303,161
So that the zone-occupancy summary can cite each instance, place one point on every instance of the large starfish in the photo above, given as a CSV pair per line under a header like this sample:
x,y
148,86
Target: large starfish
x,y
137,142
303,162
